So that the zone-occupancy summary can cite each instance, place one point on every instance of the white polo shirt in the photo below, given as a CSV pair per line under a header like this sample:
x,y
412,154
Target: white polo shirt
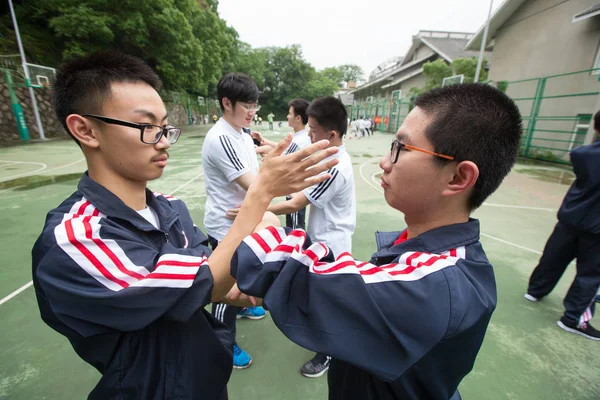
x,y
299,141
332,217
226,155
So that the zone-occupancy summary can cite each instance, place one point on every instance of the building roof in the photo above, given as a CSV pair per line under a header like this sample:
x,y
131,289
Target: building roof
x,y
447,45
589,13
502,14
390,76
385,67
404,77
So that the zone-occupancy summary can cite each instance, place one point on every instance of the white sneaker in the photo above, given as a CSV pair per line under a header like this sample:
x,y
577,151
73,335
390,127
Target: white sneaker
x,y
530,297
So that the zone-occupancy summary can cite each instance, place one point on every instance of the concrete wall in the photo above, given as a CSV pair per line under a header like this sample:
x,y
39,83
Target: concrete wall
x,y
540,40
52,128
8,126
416,81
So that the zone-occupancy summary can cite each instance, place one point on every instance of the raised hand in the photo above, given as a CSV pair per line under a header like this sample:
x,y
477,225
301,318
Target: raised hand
x,y
281,175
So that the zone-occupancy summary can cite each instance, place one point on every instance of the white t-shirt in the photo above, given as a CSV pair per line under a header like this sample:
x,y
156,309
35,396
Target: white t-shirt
x,y
332,217
299,141
367,124
150,215
226,155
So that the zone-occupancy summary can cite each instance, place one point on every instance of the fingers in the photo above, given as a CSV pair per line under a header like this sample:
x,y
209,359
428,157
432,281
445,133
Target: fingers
x,y
231,214
318,157
310,150
252,300
281,146
319,168
263,150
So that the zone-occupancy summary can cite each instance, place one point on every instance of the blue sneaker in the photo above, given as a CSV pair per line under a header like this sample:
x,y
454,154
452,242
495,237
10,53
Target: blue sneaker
x,y
241,359
252,313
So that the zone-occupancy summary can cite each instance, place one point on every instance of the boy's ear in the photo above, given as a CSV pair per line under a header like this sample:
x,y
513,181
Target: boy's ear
x,y
83,130
461,178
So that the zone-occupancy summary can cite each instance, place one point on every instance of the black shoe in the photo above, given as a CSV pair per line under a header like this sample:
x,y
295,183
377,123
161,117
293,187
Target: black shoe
x,y
585,329
316,367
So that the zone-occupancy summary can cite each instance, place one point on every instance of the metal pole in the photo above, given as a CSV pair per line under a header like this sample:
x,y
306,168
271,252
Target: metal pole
x,y
483,43
36,112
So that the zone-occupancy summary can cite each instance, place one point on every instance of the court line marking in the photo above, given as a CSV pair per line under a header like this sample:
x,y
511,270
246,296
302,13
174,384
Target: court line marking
x,y
66,165
482,234
187,183
44,166
520,207
16,292
45,171
360,170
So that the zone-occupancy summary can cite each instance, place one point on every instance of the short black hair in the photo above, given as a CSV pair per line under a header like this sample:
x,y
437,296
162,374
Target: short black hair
x,y
330,113
597,121
300,106
83,85
474,122
237,87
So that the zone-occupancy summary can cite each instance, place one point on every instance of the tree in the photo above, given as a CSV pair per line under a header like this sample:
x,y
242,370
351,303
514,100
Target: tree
x,y
334,74
185,41
435,72
320,85
285,77
351,73
249,61
468,67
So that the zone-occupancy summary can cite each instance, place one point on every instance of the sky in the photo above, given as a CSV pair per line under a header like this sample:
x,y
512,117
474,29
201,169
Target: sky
x,y
336,32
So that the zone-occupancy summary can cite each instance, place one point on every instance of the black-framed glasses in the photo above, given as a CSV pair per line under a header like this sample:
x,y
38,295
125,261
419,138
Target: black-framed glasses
x,y
149,134
398,146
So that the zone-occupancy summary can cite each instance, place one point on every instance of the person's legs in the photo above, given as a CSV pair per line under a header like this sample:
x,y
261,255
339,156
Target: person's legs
x,y
559,252
580,299
228,315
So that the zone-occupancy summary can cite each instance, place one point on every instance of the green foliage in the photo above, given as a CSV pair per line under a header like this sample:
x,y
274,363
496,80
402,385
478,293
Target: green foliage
x,y
334,74
502,86
435,72
468,67
351,73
184,41
320,85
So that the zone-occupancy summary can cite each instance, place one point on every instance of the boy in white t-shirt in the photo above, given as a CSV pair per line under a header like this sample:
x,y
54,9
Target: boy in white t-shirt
x,y
332,217
297,120
230,166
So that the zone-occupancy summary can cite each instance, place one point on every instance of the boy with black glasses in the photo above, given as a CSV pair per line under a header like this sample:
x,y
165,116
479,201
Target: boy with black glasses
x,y
123,272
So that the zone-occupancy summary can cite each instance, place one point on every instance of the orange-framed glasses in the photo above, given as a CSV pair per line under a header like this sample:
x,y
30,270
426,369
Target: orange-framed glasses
x,y
397,146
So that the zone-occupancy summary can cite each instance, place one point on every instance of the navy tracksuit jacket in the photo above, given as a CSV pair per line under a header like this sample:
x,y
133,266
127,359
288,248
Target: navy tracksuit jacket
x,y
406,325
130,297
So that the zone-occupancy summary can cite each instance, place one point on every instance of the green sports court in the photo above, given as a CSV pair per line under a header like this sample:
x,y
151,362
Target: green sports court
x,y
524,356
